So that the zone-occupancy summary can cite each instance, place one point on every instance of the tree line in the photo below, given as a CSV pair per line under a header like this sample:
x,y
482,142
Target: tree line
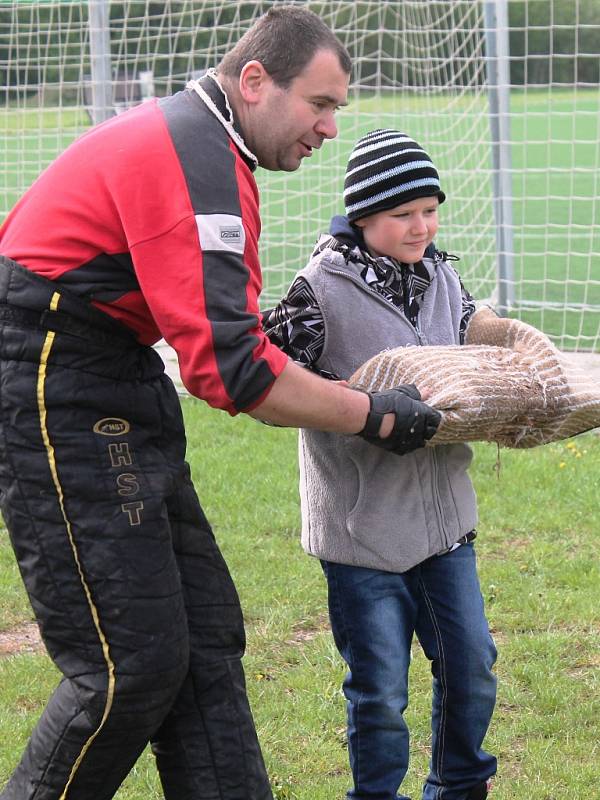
x,y
393,44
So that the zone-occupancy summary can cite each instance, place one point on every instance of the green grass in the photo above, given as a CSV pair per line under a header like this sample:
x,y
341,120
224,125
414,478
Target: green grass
x,y
29,141
540,572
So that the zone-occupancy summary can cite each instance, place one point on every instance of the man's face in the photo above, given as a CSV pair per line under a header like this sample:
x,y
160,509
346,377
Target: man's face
x,y
403,232
288,124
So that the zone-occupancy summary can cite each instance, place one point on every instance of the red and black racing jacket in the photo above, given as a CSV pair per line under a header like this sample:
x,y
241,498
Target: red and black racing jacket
x,y
153,217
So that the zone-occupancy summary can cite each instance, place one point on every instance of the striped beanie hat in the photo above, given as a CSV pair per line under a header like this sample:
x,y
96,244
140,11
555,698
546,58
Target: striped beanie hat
x,y
387,168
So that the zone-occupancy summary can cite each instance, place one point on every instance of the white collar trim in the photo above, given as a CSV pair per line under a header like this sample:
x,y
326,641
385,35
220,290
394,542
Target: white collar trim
x,y
226,123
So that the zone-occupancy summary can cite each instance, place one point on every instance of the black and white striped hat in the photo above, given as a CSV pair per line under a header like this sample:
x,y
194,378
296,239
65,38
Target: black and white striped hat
x,y
387,168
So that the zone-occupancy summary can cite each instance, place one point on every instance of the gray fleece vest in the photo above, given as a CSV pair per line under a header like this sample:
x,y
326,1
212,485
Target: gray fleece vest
x,y
362,505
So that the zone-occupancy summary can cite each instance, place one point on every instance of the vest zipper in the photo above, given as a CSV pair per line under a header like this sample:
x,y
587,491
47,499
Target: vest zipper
x,y
434,460
416,330
437,499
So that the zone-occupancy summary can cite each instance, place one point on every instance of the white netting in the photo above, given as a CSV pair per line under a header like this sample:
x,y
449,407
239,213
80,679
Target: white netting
x,y
420,67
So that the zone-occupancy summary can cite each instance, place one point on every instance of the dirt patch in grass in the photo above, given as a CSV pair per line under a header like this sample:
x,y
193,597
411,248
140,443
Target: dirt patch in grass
x,y
24,638
307,631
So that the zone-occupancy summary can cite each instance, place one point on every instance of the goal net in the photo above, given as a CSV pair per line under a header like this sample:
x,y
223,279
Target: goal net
x,y
504,96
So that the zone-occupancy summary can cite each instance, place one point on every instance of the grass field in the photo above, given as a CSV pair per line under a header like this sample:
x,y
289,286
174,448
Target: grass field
x,y
556,214
538,555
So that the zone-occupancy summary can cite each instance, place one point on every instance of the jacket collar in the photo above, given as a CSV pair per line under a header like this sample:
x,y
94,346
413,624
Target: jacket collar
x,y
215,99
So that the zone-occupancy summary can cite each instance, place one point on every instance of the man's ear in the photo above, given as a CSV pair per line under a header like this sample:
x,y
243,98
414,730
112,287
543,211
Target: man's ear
x,y
253,80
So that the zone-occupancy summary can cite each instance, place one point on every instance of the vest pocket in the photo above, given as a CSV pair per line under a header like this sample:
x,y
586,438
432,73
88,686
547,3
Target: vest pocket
x,y
355,487
386,523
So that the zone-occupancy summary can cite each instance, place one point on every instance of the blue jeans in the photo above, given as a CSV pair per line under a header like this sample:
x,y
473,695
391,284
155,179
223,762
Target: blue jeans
x,y
374,615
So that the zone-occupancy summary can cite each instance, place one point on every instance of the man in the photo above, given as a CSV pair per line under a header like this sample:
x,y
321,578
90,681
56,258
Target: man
x,y
147,227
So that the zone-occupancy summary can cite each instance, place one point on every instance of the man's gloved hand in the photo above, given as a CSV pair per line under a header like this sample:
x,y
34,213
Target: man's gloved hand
x,y
415,422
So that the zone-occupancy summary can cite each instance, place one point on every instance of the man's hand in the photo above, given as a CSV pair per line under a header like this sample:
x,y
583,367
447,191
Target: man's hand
x,y
414,421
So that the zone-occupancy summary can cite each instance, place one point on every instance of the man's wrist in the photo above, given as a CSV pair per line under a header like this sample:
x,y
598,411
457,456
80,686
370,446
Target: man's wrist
x,y
359,411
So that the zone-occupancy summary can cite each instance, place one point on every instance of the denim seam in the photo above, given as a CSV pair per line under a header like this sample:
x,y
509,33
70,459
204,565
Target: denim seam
x,y
342,615
441,726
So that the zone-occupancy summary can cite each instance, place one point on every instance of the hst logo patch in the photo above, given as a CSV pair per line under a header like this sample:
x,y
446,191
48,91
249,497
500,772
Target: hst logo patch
x,y
112,426
230,233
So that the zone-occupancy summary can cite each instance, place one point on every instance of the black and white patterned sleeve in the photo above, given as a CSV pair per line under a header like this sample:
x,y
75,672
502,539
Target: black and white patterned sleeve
x,y
297,327
468,309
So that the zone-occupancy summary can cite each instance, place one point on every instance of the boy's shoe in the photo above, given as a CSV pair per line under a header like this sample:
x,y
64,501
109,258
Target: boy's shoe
x,y
479,792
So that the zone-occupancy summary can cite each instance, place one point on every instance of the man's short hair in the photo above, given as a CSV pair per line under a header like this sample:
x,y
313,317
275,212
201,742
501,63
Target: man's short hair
x,y
284,40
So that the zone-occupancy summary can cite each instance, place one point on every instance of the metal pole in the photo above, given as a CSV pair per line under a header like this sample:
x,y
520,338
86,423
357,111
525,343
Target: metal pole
x,y
102,96
498,74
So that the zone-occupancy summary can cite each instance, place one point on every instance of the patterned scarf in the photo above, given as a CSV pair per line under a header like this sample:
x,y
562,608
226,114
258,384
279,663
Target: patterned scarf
x,y
403,285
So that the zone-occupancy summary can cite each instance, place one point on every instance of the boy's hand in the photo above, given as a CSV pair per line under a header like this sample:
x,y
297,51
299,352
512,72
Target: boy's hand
x,y
414,421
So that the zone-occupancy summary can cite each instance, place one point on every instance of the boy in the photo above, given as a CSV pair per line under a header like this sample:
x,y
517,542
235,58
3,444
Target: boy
x,y
394,534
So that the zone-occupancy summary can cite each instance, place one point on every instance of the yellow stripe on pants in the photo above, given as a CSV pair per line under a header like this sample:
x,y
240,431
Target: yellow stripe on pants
x,y
41,385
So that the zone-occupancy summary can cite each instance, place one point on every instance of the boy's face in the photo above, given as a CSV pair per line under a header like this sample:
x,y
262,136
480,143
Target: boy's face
x,y
403,232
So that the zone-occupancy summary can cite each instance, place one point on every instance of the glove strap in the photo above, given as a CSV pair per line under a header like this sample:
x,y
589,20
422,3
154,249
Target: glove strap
x,y
374,420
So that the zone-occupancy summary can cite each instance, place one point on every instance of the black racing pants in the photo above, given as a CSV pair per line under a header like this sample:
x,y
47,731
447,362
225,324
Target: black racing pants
x,y
133,598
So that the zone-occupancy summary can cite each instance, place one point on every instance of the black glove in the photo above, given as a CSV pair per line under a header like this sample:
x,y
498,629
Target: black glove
x,y
414,421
